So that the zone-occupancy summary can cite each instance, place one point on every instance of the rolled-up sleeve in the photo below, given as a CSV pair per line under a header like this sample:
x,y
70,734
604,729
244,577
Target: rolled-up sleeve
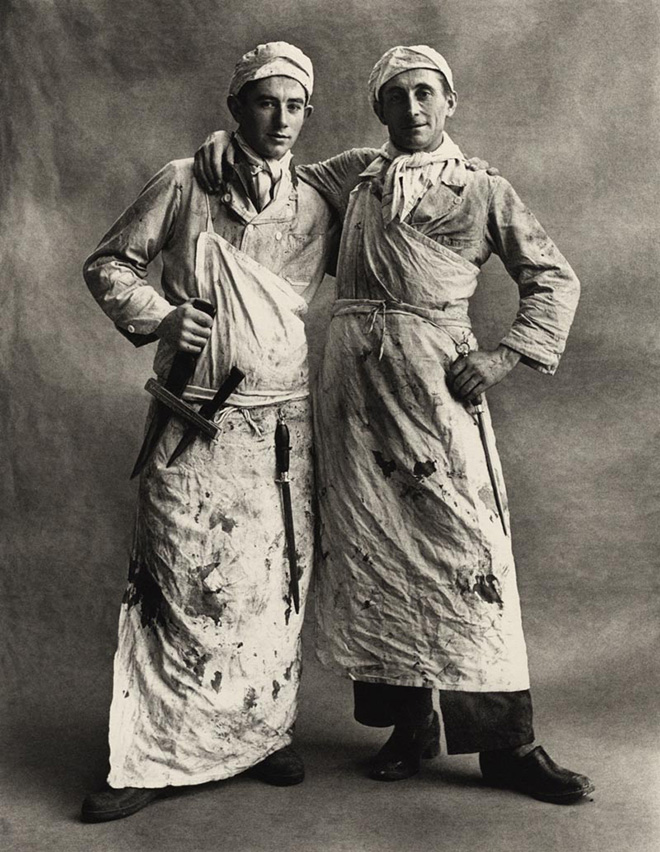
x,y
116,271
549,289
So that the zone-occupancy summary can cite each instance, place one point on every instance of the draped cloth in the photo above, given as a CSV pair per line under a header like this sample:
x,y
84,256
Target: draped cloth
x,y
410,176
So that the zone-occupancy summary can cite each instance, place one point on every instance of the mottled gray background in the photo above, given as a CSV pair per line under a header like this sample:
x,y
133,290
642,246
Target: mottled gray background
x,y
563,97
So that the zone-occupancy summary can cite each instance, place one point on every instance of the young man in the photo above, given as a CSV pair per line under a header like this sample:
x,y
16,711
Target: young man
x,y
208,661
417,588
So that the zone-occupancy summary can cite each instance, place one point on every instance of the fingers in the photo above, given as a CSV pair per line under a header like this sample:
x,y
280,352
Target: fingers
x,y
189,329
194,348
457,367
199,172
194,335
492,170
204,171
466,379
476,164
471,388
211,174
199,318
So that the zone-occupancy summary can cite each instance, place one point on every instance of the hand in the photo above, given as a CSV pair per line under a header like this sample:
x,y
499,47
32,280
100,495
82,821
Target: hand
x,y
472,375
476,164
185,328
207,167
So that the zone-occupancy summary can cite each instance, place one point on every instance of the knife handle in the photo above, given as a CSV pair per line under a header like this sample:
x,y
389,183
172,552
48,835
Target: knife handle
x,y
282,447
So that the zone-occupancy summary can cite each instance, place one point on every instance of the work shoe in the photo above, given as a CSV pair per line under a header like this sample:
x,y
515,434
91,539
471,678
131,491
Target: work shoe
x,y
535,774
117,803
283,768
402,754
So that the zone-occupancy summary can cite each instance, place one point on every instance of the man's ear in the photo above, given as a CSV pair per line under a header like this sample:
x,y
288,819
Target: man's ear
x,y
452,103
235,108
309,109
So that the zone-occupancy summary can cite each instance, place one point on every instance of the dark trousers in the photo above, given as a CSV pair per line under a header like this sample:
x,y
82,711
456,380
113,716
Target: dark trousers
x,y
473,721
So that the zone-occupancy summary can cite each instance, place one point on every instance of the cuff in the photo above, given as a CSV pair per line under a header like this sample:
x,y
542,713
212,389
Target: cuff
x,y
531,354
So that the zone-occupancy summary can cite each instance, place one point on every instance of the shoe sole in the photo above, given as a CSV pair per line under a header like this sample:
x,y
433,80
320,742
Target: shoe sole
x,y
279,781
109,816
552,798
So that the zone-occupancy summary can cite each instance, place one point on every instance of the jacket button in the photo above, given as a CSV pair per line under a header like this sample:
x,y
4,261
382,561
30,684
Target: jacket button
x,y
278,235
131,328
226,198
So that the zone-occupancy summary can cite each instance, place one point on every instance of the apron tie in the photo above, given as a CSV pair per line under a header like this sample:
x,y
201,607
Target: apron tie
x,y
371,323
228,410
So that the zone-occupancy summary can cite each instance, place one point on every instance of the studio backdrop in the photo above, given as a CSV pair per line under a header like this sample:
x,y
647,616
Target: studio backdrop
x,y
562,97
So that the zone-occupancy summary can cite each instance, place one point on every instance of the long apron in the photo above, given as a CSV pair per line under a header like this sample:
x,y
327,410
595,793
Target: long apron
x,y
208,661
416,581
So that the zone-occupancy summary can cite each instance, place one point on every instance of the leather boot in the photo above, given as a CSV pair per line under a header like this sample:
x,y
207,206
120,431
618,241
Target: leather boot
x,y
283,768
117,803
408,745
535,774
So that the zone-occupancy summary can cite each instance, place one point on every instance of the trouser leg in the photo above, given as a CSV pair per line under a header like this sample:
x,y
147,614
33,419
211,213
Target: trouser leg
x,y
380,705
473,721
486,721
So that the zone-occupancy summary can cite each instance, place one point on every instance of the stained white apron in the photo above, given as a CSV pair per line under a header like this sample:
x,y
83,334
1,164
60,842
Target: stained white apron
x,y
208,661
416,584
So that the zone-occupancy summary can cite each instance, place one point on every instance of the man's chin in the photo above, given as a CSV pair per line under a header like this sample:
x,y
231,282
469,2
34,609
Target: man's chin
x,y
415,142
412,140
274,150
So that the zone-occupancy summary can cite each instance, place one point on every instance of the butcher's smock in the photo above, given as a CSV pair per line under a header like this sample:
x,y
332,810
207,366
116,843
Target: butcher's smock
x,y
208,663
417,582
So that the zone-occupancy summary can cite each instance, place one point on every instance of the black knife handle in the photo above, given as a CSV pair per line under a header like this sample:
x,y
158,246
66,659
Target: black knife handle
x,y
282,447
226,389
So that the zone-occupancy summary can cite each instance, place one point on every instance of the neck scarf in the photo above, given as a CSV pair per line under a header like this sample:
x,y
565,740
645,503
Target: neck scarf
x,y
409,176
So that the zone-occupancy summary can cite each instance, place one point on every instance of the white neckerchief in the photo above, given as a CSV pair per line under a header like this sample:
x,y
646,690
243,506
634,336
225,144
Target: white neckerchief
x,y
266,173
410,176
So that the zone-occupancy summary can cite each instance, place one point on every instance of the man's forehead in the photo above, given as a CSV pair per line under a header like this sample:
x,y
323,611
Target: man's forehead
x,y
413,77
279,86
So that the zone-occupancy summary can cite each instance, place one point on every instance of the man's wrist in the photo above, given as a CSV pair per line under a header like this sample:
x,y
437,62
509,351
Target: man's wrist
x,y
163,325
509,356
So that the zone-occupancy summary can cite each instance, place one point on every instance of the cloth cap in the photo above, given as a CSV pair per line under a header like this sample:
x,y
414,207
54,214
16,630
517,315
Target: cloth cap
x,y
398,59
275,58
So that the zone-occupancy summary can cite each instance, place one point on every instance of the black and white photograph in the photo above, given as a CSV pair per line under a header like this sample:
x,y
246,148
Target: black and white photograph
x,y
330,426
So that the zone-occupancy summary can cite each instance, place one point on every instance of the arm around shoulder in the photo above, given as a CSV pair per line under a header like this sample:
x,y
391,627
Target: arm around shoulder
x,y
336,177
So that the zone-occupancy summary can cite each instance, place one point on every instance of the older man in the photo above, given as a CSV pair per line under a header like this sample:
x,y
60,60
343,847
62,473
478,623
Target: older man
x,y
208,661
417,587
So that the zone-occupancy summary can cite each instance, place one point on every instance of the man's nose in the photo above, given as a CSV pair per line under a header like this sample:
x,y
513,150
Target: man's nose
x,y
412,105
281,116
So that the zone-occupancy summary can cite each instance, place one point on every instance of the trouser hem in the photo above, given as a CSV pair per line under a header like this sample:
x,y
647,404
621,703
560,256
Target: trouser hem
x,y
472,721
